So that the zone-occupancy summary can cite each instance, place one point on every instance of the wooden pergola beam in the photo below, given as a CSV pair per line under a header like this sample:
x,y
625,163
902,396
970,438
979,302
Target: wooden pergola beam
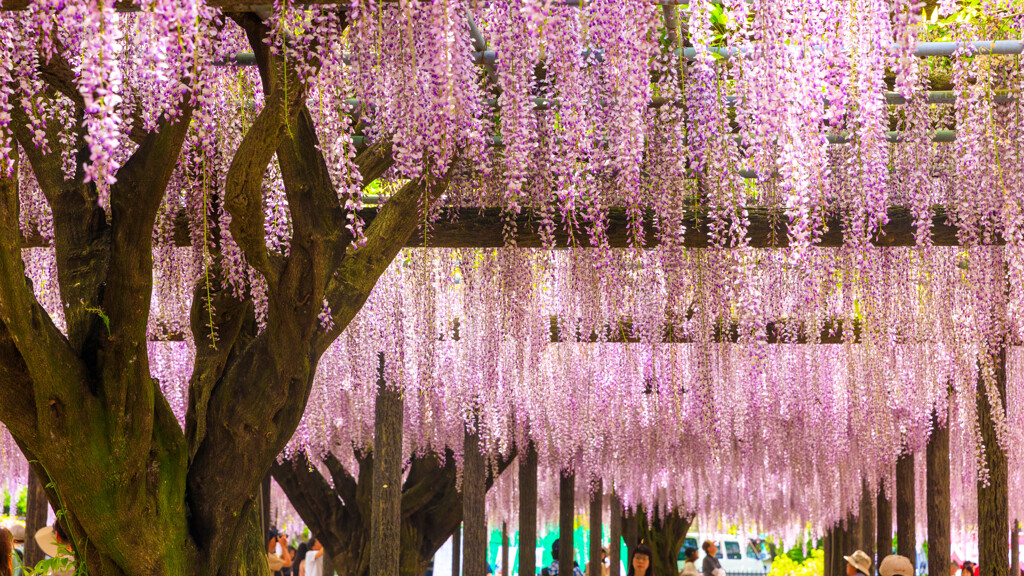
x,y
769,228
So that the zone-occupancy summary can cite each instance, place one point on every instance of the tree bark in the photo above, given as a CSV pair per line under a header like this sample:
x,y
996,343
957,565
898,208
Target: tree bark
x,y
528,511
386,515
474,474
665,534
883,513
265,521
938,496
906,523
993,502
867,522
595,562
37,508
827,544
615,533
566,515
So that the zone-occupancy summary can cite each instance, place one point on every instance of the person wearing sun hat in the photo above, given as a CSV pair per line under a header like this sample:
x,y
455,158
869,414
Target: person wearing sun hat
x,y
858,563
895,565
52,541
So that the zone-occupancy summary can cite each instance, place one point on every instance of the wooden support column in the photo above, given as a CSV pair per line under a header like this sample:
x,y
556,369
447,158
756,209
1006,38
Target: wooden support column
x,y
474,477
993,499
883,533
528,511
595,561
505,568
631,529
906,525
615,533
386,503
566,513
457,551
1015,549
937,490
827,547
867,523
37,508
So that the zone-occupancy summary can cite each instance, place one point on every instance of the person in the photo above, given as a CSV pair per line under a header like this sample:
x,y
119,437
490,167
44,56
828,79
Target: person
x,y
6,552
690,566
277,552
954,568
313,563
640,561
858,563
968,569
287,570
895,565
604,563
17,557
552,569
298,558
54,542
711,565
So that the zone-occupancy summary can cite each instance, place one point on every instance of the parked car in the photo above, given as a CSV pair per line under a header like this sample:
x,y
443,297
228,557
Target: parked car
x,y
738,558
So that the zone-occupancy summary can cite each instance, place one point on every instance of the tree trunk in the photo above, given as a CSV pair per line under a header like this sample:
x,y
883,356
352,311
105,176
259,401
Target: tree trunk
x,y
528,511
906,523
937,490
867,522
827,543
474,474
265,520
37,508
883,513
566,515
665,535
386,515
993,503
615,533
595,562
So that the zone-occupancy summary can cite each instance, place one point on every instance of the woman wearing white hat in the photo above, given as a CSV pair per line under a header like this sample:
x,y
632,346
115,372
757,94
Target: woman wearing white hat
x,y
53,543
858,563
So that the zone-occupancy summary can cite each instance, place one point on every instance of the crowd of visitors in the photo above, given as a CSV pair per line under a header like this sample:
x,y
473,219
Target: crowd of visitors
x,y
286,560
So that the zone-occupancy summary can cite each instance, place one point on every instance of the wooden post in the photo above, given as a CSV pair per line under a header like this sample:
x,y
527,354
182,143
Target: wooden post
x,y
993,499
457,551
37,508
883,534
827,546
631,530
386,504
615,532
906,525
1015,549
566,514
867,522
474,477
596,506
937,490
527,511
505,571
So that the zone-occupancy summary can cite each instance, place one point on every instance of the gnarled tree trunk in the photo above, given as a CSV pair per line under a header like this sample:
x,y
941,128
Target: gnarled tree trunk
x,y
665,534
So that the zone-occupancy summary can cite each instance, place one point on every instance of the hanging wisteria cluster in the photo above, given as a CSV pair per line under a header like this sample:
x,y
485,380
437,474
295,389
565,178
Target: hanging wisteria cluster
x,y
658,370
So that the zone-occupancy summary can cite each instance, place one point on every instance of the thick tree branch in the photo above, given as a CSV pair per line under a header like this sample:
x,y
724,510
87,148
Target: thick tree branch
x,y
385,236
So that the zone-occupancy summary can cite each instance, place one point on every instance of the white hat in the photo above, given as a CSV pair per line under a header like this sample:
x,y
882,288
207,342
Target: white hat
x,y
894,565
860,561
276,562
46,538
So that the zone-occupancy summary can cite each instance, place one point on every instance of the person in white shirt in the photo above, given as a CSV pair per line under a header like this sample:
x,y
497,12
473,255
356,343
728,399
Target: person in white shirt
x,y
690,567
313,564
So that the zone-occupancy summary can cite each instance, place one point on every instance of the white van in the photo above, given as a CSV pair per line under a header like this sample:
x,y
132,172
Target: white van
x,y
737,557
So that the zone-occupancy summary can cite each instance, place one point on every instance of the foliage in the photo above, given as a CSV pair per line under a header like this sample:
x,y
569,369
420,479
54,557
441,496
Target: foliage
x,y
784,565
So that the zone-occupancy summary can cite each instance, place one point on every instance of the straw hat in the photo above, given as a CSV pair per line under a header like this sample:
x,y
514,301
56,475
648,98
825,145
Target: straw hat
x,y
276,563
18,532
46,538
894,565
860,561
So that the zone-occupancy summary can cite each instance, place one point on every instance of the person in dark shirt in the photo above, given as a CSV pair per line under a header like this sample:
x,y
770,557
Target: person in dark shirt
x,y
711,563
